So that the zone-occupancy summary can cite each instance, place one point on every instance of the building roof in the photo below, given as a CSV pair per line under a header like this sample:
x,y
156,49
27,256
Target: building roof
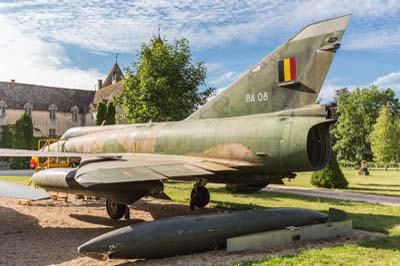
x,y
106,93
16,95
116,73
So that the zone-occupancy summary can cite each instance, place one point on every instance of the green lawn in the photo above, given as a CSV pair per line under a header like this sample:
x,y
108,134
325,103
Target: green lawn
x,y
371,217
378,182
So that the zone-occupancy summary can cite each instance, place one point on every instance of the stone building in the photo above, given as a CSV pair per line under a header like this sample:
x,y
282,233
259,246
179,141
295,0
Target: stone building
x,y
112,85
53,110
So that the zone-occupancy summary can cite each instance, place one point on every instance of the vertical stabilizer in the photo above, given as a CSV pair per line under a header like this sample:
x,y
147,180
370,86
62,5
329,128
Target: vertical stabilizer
x,y
290,77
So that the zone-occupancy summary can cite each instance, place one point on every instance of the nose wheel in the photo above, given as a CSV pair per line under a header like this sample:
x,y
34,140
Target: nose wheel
x,y
116,211
199,197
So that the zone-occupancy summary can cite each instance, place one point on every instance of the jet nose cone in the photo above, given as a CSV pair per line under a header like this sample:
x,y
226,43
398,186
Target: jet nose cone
x,y
107,245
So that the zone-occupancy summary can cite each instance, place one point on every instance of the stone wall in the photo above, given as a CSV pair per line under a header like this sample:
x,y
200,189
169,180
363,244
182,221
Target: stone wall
x,y
41,120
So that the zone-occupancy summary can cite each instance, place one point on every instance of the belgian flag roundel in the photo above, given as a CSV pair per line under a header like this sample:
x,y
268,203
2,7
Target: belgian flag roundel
x,y
287,69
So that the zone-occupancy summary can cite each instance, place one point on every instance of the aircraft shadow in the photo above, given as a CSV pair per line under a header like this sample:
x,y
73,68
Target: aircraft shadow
x,y
168,209
49,204
25,242
104,220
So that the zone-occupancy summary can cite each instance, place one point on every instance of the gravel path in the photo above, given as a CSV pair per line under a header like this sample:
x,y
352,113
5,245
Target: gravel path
x,y
335,194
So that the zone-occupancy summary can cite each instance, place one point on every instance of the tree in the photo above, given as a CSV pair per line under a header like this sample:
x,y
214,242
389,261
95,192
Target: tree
x,y
358,111
101,113
162,84
331,176
384,137
23,137
7,140
111,113
28,131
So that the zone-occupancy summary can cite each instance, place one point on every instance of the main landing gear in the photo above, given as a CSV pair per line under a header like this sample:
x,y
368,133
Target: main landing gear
x,y
117,211
200,196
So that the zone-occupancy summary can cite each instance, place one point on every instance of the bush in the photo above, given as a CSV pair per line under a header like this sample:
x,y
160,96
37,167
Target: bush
x,y
331,176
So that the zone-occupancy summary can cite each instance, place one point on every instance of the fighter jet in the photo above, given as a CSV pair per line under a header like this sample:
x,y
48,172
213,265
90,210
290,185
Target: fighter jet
x,y
262,128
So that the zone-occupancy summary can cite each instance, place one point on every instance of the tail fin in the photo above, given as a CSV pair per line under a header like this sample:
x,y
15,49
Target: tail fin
x,y
290,77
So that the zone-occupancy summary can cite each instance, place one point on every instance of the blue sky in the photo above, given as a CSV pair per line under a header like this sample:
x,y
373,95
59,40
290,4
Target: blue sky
x,y
73,43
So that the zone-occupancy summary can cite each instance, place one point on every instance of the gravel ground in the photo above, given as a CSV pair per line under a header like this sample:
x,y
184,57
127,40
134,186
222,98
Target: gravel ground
x,y
335,194
49,232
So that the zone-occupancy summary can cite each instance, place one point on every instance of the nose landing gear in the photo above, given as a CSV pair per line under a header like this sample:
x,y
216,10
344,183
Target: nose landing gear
x,y
200,196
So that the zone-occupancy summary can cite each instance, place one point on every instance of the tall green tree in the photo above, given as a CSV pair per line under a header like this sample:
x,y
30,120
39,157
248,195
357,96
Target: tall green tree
x,y
7,140
101,113
111,113
23,138
28,131
163,84
358,111
385,137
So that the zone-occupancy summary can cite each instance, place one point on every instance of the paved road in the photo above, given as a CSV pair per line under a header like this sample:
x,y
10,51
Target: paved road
x,y
334,194
16,172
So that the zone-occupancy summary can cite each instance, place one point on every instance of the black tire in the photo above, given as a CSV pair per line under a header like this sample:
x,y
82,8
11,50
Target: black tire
x,y
200,197
115,210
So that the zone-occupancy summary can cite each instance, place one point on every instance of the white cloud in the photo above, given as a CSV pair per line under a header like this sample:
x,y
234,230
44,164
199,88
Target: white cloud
x,y
121,26
225,78
391,80
329,89
29,59
33,32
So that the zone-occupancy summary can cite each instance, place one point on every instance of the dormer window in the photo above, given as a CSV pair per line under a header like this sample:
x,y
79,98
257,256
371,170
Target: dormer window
x,y
75,111
28,109
3,107
52,112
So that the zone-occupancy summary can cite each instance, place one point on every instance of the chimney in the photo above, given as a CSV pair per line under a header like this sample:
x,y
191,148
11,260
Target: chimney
x,y
13,82
99,84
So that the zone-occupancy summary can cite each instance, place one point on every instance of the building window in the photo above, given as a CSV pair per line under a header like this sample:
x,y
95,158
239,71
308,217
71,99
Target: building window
x,y
2,109
28,109
52,112
75,111
52,133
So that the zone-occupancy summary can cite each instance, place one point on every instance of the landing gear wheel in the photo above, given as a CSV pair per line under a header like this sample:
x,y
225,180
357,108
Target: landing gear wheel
x,y
199,197
115,210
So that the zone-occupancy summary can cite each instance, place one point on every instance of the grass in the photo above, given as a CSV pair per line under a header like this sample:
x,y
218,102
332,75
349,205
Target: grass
x,y
371,217
23,180
378,182
377,252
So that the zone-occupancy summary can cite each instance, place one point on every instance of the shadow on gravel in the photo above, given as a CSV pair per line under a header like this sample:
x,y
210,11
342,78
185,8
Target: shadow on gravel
x,y
168,209
25,242
104,220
